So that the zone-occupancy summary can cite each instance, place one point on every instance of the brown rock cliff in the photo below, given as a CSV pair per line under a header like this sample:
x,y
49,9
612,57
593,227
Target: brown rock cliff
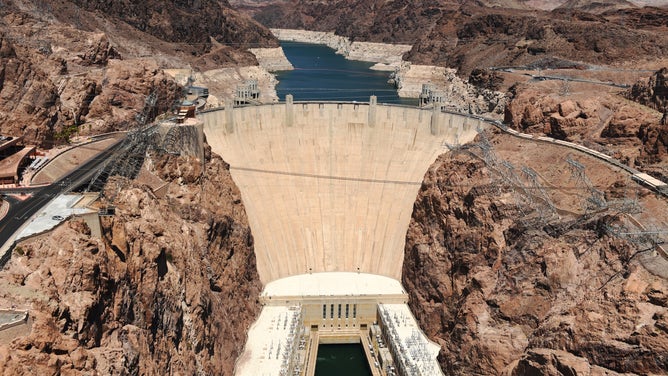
x,y
69,67
467,35
504,297
594,116
171,289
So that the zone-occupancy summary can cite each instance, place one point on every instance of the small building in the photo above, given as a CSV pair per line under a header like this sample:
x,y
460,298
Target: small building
x,y
431,96
12,166
9,145
185,110
247,93
426,92
194,92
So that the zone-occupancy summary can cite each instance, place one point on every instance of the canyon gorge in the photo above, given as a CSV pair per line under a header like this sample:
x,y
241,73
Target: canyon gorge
x,y
501,284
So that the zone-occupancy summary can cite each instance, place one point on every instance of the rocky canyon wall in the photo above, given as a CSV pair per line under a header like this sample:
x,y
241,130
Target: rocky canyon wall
x,y
503,296
47,99
476,34
599,118
170,289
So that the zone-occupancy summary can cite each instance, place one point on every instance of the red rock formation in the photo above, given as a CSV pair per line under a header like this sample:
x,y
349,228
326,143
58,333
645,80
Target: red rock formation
x,y
503,297
28,97
486,79
188,22
652,92
629,132
171,289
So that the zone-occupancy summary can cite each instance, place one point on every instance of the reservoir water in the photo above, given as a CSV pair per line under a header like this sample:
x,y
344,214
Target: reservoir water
x,y
321,74
340,360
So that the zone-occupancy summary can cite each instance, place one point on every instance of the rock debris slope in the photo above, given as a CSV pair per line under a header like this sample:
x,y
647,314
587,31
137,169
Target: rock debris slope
x,y
600,118
171,289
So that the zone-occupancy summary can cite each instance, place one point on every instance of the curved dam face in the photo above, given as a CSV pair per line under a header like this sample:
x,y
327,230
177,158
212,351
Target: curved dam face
x,y
330,187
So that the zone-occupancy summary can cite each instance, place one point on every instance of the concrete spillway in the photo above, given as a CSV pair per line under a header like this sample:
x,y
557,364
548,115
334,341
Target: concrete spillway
x,y
330,187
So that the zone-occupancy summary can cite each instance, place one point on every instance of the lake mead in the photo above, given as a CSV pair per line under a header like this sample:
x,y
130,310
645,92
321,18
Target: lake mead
x,y
322,75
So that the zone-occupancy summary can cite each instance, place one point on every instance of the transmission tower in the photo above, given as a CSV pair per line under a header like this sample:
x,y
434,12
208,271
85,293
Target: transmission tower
x,y
171,140
632,231
544,202
143,117
596,199
510,178
129,157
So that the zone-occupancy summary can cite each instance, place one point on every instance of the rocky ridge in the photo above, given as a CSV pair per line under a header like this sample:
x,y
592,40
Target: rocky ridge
x,y
86,67
652,92
470,35
596,6
203,25
170,289
46,99
602,120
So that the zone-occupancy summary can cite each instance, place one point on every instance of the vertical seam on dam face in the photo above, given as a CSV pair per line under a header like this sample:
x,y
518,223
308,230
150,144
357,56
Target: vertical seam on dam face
x,y
330,187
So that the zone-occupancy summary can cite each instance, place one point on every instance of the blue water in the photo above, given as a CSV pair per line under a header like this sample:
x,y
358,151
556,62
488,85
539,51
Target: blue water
x,y
342,360
321,74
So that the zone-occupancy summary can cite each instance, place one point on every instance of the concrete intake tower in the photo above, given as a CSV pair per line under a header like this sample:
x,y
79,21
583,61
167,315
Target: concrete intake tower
x,y
329,191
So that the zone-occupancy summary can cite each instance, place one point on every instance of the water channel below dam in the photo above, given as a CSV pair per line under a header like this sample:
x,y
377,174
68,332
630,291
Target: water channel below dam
x,y
339,360
321,74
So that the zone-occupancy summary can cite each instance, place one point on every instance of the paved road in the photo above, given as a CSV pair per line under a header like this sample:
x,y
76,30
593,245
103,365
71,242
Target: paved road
x,y
540,77
21,211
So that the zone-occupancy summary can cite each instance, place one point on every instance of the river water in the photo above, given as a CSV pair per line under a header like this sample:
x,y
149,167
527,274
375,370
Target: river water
x,y
321,74
342,360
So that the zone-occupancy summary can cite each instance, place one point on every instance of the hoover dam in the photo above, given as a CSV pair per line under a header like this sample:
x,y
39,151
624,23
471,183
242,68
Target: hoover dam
x,y
329,191
330,187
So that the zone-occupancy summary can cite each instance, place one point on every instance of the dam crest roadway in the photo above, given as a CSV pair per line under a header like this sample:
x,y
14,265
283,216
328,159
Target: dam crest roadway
x,y
329,190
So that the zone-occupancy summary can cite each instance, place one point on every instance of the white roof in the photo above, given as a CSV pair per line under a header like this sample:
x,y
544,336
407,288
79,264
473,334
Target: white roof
x,y
418,352
333,284
268,339
55,212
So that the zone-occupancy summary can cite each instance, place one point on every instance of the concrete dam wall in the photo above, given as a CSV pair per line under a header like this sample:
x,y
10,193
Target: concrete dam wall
x,y
330,186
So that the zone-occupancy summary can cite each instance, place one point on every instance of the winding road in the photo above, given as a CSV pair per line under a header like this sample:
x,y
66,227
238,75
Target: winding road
x,y
22,210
